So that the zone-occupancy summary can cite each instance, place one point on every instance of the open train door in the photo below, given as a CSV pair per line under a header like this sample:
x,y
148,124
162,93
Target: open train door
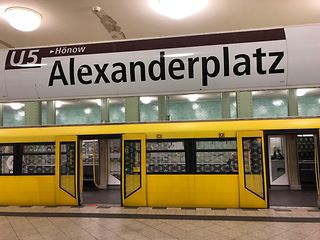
x,y
66,152
134,191
252,170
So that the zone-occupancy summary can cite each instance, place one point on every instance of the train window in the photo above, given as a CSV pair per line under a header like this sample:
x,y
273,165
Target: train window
x,y
166,156
7,159
253,165
38,158
67,167
216,156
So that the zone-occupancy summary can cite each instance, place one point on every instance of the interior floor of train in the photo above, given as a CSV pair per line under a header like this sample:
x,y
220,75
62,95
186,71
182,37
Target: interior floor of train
x,y
93,195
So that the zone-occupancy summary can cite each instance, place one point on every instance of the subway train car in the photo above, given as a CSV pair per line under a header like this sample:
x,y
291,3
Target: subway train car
x,y
217,164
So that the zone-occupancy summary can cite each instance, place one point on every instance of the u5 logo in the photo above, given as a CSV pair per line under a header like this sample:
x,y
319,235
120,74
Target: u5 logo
x,y
23,59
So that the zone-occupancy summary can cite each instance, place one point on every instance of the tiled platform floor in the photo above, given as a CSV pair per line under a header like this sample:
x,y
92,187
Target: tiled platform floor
x,y
117,223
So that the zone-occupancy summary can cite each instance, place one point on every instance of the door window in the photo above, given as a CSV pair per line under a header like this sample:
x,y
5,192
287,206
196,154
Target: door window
x,y
132,166
67,167
253,165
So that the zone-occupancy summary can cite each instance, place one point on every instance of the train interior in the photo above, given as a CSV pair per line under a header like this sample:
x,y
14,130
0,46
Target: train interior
x,y
101,170
292,161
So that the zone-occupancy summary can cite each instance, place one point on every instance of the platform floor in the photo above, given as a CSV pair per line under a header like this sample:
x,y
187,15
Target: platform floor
x,y
117,223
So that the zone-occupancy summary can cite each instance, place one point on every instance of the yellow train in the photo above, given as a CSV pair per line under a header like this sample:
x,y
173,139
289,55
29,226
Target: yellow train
x,y
217,164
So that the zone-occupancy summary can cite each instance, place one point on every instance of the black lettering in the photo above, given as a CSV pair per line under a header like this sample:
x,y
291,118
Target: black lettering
x,y
71,71
161,64
191,62
121,72
273,68
101,73
205,72
173,68
60,75
259,55
226,61
142,71
84,70
245,64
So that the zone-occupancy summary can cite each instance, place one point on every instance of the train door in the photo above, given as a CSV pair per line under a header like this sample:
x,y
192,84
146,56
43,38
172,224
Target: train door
x,y
293,167
134,170
66,149
252,170
101,169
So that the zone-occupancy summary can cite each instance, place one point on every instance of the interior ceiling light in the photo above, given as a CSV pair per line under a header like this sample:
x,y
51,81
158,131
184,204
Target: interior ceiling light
x,y
16,106
145,100
59,104
301,92
23,19
178,9
193,97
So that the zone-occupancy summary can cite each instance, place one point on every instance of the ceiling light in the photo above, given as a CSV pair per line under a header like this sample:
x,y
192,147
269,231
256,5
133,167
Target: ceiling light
x,y
23,19
123,109
193,97
178,9
145,100
301,92
16,106
98,102
59,104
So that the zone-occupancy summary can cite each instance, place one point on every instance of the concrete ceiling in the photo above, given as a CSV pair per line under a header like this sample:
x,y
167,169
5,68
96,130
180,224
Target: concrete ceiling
x,y
72,21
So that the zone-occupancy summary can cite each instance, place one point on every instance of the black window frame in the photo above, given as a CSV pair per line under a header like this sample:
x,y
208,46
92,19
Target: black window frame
x,y
186,151
18,156
190,150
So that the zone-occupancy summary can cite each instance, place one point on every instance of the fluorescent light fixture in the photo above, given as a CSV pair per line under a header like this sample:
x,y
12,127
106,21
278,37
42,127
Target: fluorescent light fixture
x,y
193,97
23,19
87,110
16,106
145,100
277,102
301,92
178,9
59,104
98,102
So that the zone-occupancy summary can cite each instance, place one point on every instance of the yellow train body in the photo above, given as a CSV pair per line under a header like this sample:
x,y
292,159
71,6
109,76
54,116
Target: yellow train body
x,y
163,190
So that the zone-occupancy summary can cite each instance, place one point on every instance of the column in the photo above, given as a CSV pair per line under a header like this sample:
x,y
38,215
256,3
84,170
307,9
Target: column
x,y
51,113
33,113
225,105
292,103
131,105
244,104
104,110
162,108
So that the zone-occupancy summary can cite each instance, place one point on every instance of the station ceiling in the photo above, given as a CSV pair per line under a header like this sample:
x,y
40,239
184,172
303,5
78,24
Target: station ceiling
x,y
73,21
